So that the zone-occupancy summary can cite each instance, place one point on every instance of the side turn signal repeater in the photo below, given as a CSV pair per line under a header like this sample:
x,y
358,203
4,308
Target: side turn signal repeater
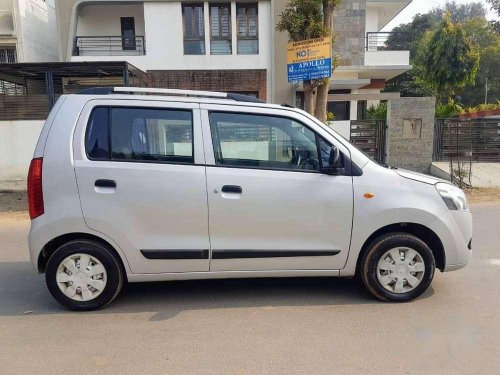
x,y
368,195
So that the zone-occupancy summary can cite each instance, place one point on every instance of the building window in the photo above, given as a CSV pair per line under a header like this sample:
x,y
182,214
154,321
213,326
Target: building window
x,y
362,109
7,55
128,33
220,29
248,39
194,29
341,110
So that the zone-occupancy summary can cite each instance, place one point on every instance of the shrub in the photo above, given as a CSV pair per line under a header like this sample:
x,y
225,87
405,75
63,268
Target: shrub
x,y
447,110
378,112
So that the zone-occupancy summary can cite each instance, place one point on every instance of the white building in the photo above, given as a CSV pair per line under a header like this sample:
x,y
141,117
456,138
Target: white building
x,y
206,45
28,31
231,46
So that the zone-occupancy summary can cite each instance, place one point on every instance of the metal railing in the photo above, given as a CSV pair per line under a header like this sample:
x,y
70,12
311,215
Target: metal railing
x,y
370,137
7,55
475,139
385,41
109,46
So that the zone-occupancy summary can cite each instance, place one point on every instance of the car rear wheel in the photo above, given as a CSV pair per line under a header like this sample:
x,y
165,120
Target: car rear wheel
x,y
397,267
83,275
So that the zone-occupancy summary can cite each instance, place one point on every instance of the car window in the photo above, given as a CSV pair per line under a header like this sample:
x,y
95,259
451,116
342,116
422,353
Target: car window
x,y
248,140
142,134
96,138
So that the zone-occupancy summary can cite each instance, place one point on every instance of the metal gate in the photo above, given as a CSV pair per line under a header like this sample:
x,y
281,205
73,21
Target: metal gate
x,y
477,140
370,137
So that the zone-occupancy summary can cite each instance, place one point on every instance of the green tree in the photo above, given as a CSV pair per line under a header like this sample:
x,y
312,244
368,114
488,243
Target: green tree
x,y
451,60
460,13
306,19
413,37
495,6
487,40
406,37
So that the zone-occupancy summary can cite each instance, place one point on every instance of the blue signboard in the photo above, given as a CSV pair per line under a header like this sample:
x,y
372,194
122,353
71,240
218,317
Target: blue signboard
x,y
307,70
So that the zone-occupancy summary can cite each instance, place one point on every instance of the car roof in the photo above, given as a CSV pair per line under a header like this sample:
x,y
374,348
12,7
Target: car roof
x,y
184,99
174,95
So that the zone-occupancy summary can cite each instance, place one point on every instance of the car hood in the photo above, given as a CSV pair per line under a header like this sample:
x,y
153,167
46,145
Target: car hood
x,y
420,177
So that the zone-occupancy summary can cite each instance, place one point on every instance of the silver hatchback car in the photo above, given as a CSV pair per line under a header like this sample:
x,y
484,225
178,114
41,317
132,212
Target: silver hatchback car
x,y
137,184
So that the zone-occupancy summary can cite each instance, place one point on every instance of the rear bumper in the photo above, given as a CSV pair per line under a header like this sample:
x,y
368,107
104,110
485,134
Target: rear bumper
x,y
38,237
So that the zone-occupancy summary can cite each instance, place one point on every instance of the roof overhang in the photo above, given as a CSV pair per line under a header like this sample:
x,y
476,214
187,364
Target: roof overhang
x,y
368,96
387,9
18,72
341,84
375,71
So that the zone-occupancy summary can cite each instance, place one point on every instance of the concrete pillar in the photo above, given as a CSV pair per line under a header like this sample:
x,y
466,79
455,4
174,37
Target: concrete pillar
x,y
410,133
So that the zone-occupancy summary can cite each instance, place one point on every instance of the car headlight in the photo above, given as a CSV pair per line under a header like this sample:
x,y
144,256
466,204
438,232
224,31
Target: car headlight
x,y
453,196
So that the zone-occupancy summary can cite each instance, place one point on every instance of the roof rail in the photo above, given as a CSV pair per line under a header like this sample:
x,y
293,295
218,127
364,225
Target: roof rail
x,y
150,90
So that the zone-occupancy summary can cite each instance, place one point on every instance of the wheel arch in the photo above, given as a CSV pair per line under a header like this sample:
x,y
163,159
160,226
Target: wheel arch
x,y
420,231
55,243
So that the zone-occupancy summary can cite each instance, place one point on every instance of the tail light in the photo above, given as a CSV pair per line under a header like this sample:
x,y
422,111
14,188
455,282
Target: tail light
x,y
35,192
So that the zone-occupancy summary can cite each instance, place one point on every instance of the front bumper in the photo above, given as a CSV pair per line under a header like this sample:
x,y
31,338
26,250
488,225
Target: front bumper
x,y
454,229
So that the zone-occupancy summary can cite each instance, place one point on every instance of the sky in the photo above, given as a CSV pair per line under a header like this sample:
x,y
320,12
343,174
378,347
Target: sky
x,y
423,6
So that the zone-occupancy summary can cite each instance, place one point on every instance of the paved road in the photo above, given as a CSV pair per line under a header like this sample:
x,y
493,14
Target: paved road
x,y
287,326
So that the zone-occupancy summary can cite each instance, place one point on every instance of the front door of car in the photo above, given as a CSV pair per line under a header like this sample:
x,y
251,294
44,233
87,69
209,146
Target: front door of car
x,y
141,180
270,206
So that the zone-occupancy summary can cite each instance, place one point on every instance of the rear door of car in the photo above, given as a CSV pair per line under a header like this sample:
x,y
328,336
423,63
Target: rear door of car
x,y
141,178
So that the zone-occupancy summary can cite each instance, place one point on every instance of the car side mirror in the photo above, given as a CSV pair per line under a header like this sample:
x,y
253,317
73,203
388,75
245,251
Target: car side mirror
x,y
335,161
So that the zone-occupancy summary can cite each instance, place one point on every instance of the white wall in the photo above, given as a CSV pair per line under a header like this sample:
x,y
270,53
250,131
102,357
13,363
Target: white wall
x,y
6,5
372,19
387,58
341,127
17,143
164,40
36,28
104,20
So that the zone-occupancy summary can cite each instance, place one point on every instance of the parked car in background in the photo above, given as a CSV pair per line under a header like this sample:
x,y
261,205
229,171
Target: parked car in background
x,y
196,185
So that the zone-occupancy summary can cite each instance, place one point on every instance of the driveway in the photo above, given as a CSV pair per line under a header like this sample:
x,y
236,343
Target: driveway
x,y
280,326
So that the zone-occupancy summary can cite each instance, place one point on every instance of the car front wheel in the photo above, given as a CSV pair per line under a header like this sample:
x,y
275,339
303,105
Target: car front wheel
x,y
83,275
398,267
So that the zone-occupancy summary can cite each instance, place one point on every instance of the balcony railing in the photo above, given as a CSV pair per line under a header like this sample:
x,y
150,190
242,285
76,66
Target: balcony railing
x,y
109,46
385,41
7,55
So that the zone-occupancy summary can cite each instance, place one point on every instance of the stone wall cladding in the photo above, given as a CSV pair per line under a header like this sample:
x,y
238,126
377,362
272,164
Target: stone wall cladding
x,y
413,154
349,25
212,80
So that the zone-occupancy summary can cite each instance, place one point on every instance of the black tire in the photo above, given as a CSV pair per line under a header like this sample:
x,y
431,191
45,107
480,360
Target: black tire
x,y
114,274
368,266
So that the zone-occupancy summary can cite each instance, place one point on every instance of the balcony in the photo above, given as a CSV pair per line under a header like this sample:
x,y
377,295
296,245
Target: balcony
x,y
385,41
387,50
109,46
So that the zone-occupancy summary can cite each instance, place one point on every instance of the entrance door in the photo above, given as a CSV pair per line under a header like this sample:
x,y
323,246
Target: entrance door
x,y
128,33
270,207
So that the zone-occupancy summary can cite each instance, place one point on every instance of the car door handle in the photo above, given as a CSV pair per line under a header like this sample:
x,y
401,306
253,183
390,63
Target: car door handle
x,y
235,189
105,183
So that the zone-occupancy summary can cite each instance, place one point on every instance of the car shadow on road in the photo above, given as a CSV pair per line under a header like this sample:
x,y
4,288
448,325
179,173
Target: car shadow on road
x,y
22,291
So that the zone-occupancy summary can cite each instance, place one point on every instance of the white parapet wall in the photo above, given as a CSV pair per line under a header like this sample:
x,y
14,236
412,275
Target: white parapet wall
x,y
17,142
341,127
